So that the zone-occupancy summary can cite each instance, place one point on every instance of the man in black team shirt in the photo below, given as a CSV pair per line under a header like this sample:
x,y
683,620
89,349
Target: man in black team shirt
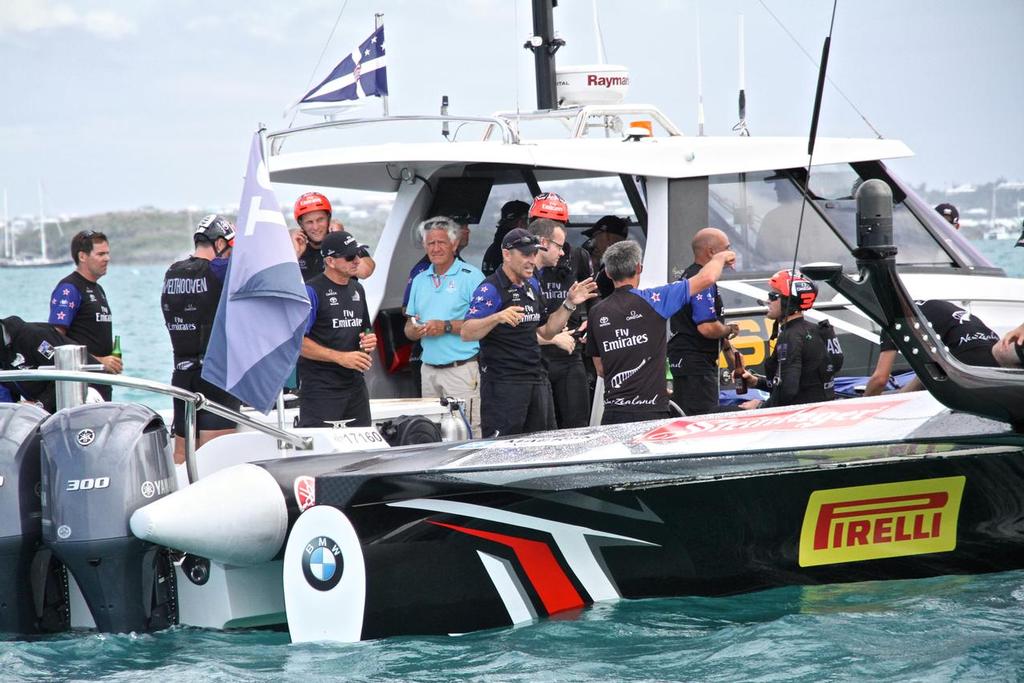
x,y
699,332
807,356
505,315
560,267
627,333
336,349
78,305
189,301
967,338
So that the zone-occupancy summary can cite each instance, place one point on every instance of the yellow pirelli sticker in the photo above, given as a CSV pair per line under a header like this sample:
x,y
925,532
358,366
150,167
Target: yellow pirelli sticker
x,y
882,520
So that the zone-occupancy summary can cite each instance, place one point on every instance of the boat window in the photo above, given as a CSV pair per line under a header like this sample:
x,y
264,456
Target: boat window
x,y
482,234
761,212
591,198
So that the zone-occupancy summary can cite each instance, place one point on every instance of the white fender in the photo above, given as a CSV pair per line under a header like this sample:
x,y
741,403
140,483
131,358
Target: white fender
x,y
324,578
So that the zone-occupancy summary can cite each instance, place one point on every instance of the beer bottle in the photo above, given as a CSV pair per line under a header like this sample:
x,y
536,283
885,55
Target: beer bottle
x,y
737,372
116,351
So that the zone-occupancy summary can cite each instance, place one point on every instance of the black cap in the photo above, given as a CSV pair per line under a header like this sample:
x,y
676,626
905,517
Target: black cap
x,y
522,240
339,243
513,211
612,224
949,212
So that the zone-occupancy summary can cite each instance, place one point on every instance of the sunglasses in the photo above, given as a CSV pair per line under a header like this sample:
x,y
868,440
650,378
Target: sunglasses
x,y
350,258
529,241
774,296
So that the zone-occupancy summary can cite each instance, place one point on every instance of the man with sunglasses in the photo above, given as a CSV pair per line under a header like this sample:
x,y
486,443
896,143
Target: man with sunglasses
x,y
559,267
189,300
506,315
338,343
78,304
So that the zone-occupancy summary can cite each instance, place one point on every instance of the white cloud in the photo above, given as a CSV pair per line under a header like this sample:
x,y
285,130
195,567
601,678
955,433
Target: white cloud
x,y
30,16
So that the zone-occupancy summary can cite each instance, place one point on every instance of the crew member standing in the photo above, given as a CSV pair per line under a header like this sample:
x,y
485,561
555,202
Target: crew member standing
x,y
191,292
78,305
513,215
438,301
807,356
608,230
313,214
699,332
506,315
560,267
627,335
336,349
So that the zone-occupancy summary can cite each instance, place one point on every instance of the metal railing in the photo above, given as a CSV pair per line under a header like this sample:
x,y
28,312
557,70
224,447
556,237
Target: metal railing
x,y
194,402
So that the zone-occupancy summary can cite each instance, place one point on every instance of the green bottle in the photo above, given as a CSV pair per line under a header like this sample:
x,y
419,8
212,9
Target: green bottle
x,y
116,351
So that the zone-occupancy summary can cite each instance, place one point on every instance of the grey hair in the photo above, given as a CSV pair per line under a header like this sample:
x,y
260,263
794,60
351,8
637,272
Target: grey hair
x,y
439,223
621,260
543,227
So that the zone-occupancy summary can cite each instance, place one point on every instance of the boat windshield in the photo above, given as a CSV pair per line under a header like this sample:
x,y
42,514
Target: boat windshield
x,y
761,213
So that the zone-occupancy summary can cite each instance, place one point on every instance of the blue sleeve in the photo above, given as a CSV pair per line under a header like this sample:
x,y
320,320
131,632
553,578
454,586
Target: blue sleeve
x,y
416,270
666,299
5,395
702,305
219,266
312,308
485,301
64,304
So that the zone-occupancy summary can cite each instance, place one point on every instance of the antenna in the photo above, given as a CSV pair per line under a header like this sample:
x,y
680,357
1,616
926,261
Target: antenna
x,y
601,59
741,125
444,112
700,82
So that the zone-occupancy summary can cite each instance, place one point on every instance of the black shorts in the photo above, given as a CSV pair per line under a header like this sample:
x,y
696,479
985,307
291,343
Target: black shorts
x,y
696,394
979,355
191,380
508,408
320,405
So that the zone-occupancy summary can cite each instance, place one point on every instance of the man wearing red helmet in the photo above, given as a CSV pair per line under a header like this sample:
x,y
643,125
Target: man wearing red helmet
x,y
806,357
313,214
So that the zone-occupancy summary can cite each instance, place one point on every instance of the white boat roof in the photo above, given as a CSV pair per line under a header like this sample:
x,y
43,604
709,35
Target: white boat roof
x,y
376,167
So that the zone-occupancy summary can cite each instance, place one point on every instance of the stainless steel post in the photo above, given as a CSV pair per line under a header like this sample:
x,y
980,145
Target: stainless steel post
x,y
190,441
70,357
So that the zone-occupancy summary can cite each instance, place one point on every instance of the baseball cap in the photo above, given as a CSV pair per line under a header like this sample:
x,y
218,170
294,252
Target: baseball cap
x,y
513,211
613,224
522,240
341,244
949,212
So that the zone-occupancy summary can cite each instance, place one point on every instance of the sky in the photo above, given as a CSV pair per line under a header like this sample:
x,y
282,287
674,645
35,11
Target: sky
x,y
116,105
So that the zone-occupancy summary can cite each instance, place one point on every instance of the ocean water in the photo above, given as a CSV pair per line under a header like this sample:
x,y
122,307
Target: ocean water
x,y
967,628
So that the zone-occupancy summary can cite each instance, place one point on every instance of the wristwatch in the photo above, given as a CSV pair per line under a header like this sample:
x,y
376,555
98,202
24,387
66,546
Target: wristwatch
x,y
569,306
447,326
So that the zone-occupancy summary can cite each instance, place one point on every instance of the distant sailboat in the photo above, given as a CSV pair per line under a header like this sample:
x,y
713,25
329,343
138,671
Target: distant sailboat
x,y
11,259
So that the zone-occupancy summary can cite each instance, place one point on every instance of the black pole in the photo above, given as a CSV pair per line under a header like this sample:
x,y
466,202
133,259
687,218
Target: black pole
x,y
544,55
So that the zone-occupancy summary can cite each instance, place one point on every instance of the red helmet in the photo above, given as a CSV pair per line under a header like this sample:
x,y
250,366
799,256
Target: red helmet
x,y
311,201
798,290
550,205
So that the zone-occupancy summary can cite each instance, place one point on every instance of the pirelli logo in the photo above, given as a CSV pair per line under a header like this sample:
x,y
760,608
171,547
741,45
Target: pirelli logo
x,y
882,520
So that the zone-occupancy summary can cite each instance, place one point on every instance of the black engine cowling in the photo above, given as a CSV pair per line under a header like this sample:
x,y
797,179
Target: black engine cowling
x,y
33,585
100,463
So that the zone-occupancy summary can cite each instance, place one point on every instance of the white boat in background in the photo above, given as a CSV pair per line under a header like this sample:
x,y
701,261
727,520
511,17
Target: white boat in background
x,y
11,258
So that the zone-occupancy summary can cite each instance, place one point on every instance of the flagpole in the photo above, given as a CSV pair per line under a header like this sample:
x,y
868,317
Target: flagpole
x,y
378,20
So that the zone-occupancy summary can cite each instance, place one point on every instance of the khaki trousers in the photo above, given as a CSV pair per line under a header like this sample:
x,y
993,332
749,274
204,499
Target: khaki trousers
x,y
462,382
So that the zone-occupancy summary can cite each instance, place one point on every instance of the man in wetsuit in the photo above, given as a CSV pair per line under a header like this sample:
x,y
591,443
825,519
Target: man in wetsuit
x,y
699,332
78,304
513,215
807,356
338,343
627,335
560,267
967,338
313,214
506,315
189,300
26,346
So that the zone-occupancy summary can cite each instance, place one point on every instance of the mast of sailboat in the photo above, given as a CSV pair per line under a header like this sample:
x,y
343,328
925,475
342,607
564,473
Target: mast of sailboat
x,y
700,81
7,228
544,45
378,21
741,125
42,223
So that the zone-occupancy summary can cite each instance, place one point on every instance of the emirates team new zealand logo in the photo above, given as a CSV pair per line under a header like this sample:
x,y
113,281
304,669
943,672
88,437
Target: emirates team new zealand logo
x,y
322,564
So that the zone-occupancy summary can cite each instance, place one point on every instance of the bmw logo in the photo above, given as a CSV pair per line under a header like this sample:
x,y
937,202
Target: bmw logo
x,y
322,564
85,437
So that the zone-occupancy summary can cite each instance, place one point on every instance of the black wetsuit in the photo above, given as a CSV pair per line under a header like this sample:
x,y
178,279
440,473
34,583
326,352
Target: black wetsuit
x,y
968,338
31,345
328,391
191,293
566,373
803,366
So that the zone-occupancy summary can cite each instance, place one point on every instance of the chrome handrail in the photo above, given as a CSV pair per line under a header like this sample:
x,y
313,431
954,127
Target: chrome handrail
x,y
193,402
508,136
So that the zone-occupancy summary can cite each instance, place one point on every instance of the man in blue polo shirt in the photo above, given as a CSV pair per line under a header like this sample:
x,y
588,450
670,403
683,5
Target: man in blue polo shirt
x,y
506,315
438,300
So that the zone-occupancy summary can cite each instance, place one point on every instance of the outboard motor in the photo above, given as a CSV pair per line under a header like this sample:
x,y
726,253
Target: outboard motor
x,y
33,584
100,463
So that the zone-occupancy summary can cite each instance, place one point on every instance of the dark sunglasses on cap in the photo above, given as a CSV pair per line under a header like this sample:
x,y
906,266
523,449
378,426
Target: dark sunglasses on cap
x,y
529,241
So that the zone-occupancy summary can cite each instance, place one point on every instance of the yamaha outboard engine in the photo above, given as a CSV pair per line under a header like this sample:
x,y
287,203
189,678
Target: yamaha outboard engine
x,y
33,585
100,463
